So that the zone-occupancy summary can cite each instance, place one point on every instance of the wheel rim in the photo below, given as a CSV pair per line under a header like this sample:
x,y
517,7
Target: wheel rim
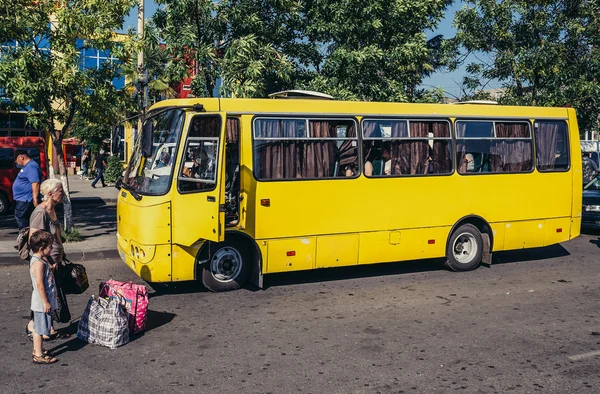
x,y
226,264
2,205
465,248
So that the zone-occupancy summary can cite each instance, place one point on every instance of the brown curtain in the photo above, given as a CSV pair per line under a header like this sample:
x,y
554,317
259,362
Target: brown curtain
x,y
511,155
400,151
419,150
270,152
368,129
442,150
232,130
348,152
319,156
546,136
278,159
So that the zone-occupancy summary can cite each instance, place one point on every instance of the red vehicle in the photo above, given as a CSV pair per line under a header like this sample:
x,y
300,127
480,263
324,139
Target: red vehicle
x,y
14,135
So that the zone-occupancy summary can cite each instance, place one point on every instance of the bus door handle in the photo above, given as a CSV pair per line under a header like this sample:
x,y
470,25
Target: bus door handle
x,y
211,199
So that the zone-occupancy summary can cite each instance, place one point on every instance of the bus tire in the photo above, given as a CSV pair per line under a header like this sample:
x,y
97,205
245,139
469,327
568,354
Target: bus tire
x,y
227,269
3,204
465,248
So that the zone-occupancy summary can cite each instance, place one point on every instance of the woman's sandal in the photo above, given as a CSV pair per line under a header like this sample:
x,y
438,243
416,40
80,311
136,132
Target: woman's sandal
x,y
44,359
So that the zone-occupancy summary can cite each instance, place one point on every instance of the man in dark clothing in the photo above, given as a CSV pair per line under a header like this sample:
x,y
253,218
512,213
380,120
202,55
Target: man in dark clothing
x,y
26,188
589,168
100,165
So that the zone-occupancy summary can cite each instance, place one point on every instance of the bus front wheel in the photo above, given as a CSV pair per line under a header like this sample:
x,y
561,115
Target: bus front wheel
x,y
227,269
465,248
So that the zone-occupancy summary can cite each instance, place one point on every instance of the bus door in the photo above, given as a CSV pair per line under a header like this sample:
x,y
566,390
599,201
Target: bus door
x,y
199,201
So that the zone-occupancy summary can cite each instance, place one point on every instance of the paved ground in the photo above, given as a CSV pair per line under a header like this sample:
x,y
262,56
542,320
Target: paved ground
x,y
527,324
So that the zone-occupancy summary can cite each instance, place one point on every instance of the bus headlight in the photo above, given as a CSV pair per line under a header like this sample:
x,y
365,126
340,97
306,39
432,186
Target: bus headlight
x,y
591,208
142,253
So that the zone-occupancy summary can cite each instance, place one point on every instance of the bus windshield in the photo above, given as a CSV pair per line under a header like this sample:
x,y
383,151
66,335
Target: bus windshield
x,y
152,175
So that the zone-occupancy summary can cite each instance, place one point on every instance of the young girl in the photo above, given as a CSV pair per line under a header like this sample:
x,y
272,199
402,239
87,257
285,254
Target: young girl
x,y
43,297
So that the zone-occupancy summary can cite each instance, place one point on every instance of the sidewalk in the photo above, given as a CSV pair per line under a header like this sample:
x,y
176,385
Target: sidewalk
x,y
94,214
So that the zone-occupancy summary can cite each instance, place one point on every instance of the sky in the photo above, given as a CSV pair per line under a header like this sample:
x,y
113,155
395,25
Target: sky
x,y
449,81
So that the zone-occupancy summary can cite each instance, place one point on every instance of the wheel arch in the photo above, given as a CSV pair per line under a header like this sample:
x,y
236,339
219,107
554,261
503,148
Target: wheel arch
x,y
484,228
204,254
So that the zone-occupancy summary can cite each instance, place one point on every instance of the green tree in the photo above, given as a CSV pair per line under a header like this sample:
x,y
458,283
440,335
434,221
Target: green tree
x,y
352,50
543,52
50,79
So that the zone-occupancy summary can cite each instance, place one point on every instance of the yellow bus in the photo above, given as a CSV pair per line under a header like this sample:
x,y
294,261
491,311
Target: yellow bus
x,y
227,190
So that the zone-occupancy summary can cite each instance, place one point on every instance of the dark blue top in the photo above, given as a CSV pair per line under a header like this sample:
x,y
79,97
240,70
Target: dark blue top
x,y
29,174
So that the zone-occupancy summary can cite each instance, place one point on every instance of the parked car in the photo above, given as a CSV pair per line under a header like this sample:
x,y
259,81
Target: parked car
x,y
590,217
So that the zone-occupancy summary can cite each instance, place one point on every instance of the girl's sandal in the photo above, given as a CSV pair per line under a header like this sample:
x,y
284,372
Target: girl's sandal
x,y
44,359
44,353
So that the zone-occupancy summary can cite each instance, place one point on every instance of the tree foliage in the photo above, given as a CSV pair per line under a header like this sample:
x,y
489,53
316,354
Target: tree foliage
x,y
41,67
544,52
347,48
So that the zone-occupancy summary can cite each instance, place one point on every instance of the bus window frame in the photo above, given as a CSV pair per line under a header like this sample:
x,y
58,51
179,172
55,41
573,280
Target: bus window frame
x,y
185,146
495,120
307,119
408,119
565,121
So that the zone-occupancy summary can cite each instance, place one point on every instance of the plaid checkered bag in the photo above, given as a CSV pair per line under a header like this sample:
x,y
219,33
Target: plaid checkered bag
x,y
104,322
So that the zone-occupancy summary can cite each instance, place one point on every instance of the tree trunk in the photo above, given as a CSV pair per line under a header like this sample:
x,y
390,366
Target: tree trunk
x,y
62,170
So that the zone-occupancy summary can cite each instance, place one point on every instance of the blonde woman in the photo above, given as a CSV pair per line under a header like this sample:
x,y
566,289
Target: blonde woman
x,y
44,218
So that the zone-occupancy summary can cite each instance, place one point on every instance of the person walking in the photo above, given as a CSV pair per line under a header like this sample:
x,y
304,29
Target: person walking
x,y
44,218
26,187
85,163
100,165
43,297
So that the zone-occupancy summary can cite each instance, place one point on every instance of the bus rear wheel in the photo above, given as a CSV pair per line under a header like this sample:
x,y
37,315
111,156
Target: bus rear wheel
x,y
227,269
465,248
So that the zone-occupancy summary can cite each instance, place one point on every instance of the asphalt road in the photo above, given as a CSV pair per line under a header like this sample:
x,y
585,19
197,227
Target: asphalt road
x,y
529,323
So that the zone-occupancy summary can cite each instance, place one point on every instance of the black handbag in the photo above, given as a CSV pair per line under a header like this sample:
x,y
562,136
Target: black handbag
x,y
72,277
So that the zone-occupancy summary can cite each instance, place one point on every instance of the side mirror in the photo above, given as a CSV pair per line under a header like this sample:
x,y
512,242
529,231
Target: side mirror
x,y
119,183
147,138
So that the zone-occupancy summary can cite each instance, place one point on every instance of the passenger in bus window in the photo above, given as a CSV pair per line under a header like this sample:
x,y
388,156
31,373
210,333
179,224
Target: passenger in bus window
x,y
164,160
371,156
387,160
350,170
202,167
470,160
428,165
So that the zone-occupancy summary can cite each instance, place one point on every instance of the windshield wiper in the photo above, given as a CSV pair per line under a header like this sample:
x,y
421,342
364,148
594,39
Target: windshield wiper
x,y
120,184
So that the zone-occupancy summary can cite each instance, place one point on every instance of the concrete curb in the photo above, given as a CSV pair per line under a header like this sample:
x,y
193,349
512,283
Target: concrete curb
x,y
74,255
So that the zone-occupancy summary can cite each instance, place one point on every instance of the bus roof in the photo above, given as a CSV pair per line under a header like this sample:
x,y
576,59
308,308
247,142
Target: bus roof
x,y
352,108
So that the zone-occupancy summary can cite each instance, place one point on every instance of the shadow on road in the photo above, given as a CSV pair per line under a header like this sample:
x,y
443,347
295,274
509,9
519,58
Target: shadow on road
x,y
365,271
155,319
362,271
534,254
406,267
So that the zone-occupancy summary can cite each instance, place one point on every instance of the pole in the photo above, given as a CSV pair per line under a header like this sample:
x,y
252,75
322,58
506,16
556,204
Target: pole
x,y
140,65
